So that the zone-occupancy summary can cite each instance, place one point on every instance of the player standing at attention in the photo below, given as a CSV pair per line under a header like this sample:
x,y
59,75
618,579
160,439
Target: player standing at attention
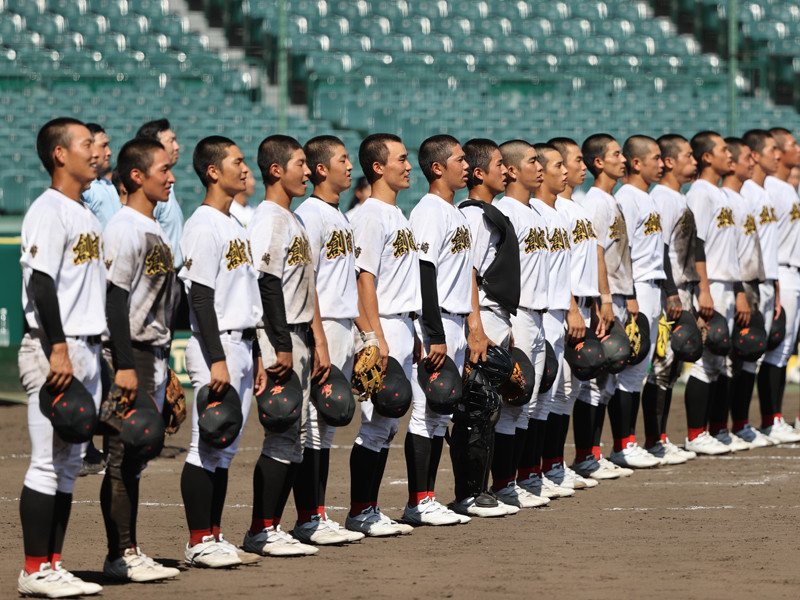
x,y
388,286
224,310
772,375
140,304
102,197
332,254
721,281
63,300
680,267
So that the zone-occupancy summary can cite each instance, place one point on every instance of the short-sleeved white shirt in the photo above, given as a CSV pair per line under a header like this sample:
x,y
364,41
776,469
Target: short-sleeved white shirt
x,y
485,238
787,209
680,233
716,226
612,236
583,257
385,246
767,224
217,255
559,281
444,240
62,238
645,232
534,252
747,243
333,257
139,260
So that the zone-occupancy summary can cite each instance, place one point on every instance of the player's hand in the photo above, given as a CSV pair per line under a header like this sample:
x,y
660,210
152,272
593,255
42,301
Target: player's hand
x,y
478,343
705,304
60,373
777,307
260,379
322,363
220,378
436,355
605,319
510,341
384,349
127,382
742,310
282,367
633,307
674,307
416,354
576,326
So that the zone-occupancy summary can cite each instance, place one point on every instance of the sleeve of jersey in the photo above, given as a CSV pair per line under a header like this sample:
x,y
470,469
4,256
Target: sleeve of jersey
x,y
269,249
701,209
431,313
630,214
44,243
119,327
201,256
427,226
600,219
311,223
122,255
369,240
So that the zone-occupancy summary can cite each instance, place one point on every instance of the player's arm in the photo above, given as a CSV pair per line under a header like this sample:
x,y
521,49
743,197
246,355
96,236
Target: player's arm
x,y
742,314
432,315
477,339
777,299
604,311
576,327
322,359
119,328
203,306
271,290
370,315
674,306
705,304
46,302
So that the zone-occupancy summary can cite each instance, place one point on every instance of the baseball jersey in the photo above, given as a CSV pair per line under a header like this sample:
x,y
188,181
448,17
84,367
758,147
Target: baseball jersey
x,y
102,199
680,233
766,223
170,216
333,258
243,213
282,249
747,242
559,283
644,232
612,236
583,256
217,255
139,260
61,238
787,209
485,238
713,214
385,246
444,240
534,253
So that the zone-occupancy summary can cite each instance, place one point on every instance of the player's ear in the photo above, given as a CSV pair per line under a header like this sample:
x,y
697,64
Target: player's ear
x,y
437,168
137,177
598,164
59,154
275,171
478,175
321,171
511,173
669,162
377,167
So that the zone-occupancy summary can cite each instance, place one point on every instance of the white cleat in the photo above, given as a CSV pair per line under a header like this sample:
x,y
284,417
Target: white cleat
x,y
429,512
273,541
754,437
634,456
518,496
211,554
590,467
370,524
47,583
482,506
706,444
662,452
134,565
780,432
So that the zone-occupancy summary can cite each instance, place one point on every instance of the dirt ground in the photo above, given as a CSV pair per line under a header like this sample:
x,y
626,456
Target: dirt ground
x,y
717,527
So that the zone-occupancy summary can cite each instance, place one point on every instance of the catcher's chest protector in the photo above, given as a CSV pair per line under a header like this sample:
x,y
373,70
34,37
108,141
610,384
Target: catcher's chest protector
x,y
501,280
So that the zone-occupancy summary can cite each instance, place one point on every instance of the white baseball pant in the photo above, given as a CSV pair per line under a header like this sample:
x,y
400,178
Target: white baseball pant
x,y
648,296
789,278
555,397
601,388
766,306
571,388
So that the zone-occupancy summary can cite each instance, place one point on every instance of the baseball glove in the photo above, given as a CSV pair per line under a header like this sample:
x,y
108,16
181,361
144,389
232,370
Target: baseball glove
x,y
514,389
367,368
664,329
634,335
113,410
174,411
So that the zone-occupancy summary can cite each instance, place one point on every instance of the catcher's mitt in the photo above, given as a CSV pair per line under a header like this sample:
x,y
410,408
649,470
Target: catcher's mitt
x,y
113,409
367,368
514,389
174,411
634,335
664,329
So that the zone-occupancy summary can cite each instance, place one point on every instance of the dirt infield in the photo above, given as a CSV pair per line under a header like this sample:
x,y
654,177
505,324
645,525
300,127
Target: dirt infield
x,y
715,528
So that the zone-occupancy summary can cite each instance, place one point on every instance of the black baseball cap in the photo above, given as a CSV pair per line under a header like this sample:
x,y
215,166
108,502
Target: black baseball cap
x,y
334,399
280,404
718,336
685,338
442,387
586,358
219,417
616,348
72,412
394,398
519,395
644,336
550,368
777,331
142,429
750,343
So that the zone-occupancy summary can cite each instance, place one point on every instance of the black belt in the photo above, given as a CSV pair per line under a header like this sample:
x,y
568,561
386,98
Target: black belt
x,y
92,340
299,327
406,315
145,347
248,335
584,301
452,314
790,267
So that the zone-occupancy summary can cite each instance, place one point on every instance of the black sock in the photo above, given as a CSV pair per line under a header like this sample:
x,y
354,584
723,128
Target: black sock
x,y
741,393
636,399
781,389
306,483
363,465
697,398
286,488
118,502
650,401
63,507
564,431
769,389
197,490
665,411
220,479
551,449
380,468
520,444
37,513
536,428
417,450
583,426
720,402
503,458
269,479
620,408
437,443
324,468
599,423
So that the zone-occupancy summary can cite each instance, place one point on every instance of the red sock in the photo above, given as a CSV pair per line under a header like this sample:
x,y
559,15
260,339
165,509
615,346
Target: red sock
x,y
738,424
523,474
499,484
581,454
321,512
620,443
415,498
32,563
596,452
768,420
715,428
54,558
259,525
694,432
304,516
663,437
356,508
196,536
549,463
650,440
431,495
631,439
215,531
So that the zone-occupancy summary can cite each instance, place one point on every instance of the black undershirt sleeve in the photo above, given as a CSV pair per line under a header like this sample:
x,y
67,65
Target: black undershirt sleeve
x,y
119,327
275,312
738,287
431,313
202,299
46,301
700,250
668,285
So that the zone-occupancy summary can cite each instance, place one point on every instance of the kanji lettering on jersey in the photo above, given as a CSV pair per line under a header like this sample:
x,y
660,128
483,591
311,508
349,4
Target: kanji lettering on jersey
x,y
652,224
749,225
299,251
725,217
616,229
159,260
461,241
87,248
237,254
557,240
336,245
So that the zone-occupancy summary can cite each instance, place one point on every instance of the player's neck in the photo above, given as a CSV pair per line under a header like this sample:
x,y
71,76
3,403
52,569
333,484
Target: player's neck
x,y
439,188
567,193
732,182
69,186
139,202
384,193
482,193
605,183
518,192
325,193
670,181
546,195
709,175
759,175
783,172
638,182
276,193
219,199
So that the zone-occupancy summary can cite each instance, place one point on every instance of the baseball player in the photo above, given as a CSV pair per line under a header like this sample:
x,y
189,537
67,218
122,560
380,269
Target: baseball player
x,y
241,207
445,245
140,302
63,298
388,284
288,296
332,255
101,197
772,374
512,485
644,167
606,162
720,283
680,268
562,322
496,261
766,156
225,308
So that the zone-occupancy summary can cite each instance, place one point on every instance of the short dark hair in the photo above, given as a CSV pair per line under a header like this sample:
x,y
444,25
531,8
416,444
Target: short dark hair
x,y
275,150
374,149
95,128
702,143
780,133
735,145
635,147
436,149
512,152
151,129
135,154
594,147
670,144
209,151
563,144
478,153
756,139
319,151
116,181
543,147
53,133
